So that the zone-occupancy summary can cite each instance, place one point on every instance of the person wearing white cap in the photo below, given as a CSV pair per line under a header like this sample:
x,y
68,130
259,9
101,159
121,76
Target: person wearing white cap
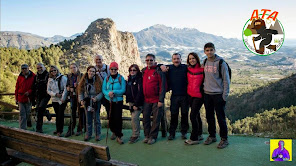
x,y
23,95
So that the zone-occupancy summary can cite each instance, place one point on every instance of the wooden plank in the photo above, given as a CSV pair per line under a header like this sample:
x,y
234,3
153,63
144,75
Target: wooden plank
x,y
120,163
8,105
31,159
6,94
102,163
41,152
87,157
63,144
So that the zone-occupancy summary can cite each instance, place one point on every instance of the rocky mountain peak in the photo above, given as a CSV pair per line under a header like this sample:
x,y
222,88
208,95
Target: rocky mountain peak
x,y
101,37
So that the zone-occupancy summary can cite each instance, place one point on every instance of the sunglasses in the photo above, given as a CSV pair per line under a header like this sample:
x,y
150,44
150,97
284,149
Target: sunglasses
x,y
209,50
39,67
147,60
24,68
113,69
133,70
53,71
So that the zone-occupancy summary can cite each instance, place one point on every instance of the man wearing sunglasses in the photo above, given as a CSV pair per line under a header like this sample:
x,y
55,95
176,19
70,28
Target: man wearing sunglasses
x,y
23,94
154,88
216,89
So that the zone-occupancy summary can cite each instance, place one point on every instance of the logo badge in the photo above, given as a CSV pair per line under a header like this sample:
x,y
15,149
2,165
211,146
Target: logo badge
x,y
263,34
281,150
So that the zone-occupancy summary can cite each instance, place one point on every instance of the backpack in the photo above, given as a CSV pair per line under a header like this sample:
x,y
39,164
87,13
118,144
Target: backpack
x,y
157,71
220,66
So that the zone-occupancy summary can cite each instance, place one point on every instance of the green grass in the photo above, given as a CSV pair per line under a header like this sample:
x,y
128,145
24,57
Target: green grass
x,y
242,151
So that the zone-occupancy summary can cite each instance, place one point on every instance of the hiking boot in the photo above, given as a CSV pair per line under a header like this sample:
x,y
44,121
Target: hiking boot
x,y
163,134
78,133
272,47
191,142
146,140
98,138
133,140
119,140
171,137
200,138
184,136
223,143
68,134
113,136
210,140
59,134
151,141
86,138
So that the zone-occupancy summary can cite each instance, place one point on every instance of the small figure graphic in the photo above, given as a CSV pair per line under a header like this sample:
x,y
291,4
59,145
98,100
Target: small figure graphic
x,y
280,153
265,35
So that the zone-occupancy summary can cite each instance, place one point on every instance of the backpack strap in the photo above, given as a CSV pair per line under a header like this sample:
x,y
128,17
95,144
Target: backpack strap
x,y
59,82
205,61
220,66
119,78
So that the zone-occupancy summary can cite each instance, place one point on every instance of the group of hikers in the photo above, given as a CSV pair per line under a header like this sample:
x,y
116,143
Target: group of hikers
x,y
192,85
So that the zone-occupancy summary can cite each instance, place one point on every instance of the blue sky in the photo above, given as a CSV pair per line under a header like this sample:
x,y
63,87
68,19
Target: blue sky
x,y
67,17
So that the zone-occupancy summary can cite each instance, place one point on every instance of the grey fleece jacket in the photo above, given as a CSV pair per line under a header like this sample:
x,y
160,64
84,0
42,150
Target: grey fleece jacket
x,y
213,84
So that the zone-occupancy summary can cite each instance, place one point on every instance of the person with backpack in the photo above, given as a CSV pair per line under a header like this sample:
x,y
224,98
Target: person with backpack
x,y
216,88
23,95
135,98
114,87
154,89
41,96
102,68
90,96
195,93
56,88
72,83
177,82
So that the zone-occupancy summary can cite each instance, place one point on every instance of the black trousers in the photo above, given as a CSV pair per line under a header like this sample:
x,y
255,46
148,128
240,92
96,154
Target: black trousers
x,y
41,109
60,112
195,104
151,131
72,123
176,103
115,120
215,103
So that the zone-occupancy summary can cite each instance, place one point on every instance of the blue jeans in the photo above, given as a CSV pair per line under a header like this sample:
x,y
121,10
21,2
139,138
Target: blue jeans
x,y
25,109
90,116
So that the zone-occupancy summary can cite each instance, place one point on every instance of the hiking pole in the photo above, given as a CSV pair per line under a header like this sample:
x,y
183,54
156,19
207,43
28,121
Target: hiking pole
x,y
109,120
85,112
254,43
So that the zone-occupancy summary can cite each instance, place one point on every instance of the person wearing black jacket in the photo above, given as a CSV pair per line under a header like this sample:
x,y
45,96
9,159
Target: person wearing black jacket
x,y
135,98
72,83
177,81
41,96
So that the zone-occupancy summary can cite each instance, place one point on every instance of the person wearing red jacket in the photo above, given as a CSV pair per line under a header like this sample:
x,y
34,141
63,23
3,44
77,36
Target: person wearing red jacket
x,y
154,88
194,90
23,94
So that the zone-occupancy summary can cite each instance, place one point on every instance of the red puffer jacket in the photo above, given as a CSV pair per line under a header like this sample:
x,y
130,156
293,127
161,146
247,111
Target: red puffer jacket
x,y
195,80
154,85
24,85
